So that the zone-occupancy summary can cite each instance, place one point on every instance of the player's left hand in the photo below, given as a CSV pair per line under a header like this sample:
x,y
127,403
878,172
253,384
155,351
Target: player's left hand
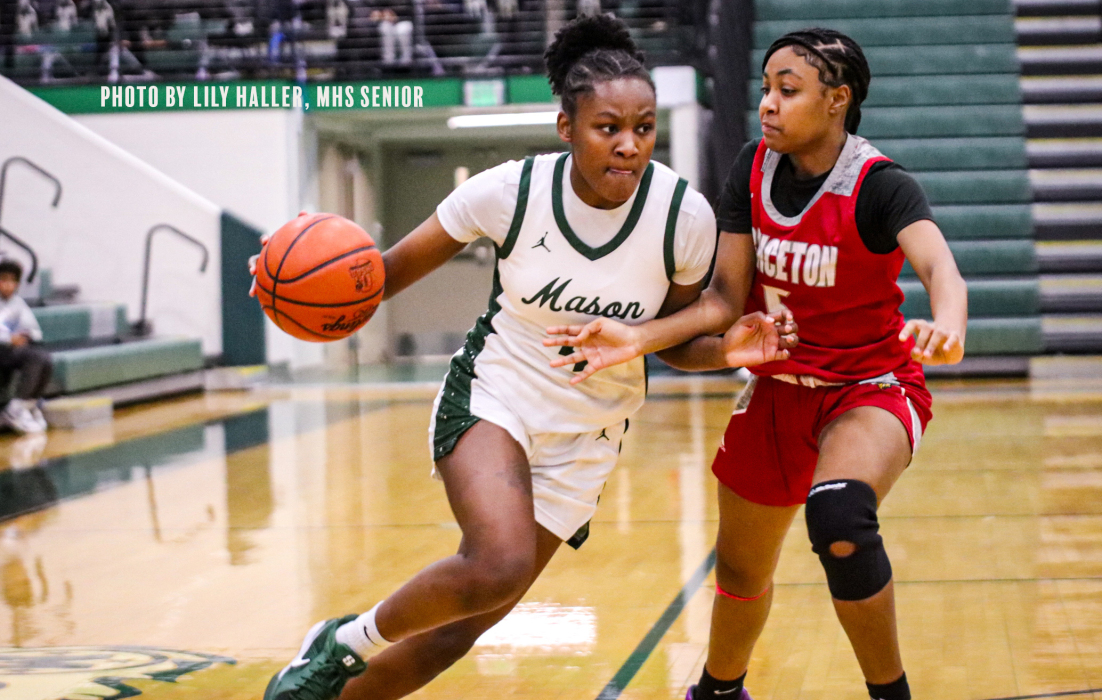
x,y
934,344
252,260
600,343
757,338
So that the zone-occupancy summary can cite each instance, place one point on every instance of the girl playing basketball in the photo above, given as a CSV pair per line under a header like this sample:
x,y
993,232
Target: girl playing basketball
x,y
597,232
816,221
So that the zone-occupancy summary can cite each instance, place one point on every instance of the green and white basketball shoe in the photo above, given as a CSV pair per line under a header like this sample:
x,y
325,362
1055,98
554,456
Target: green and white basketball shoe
x,y
321,669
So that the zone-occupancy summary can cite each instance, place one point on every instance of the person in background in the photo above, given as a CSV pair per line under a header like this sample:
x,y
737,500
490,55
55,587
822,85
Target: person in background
x,y
336,15
396,31
103,14
20,352
26,19
66,15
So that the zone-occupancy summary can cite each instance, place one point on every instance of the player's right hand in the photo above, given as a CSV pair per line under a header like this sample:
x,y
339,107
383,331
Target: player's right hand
x,y
600,343
758,338
252,260
935,344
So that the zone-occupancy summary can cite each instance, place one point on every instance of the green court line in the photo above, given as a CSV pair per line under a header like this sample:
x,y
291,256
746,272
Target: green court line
x,y
646,647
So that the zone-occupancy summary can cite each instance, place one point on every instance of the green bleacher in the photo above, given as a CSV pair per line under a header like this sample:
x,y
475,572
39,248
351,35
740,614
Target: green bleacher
x,y
109,365
92,348
74,323
945,103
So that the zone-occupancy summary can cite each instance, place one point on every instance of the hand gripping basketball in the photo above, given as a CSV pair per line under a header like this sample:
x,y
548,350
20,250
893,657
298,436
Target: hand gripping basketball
x,y
319,277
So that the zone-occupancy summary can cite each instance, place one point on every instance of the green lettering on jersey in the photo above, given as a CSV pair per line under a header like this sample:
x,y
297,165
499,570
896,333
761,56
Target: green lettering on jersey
x,y
553,291
575,304
548,295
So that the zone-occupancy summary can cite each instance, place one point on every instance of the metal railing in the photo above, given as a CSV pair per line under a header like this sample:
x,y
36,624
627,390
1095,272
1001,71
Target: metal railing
x,y
143,326
3,185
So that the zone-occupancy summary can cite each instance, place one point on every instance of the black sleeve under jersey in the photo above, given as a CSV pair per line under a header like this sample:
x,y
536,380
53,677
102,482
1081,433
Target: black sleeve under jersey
x,y
890,200
733,215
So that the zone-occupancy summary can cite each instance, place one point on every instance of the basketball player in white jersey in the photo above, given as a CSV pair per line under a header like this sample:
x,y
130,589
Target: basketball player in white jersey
x,y
600,231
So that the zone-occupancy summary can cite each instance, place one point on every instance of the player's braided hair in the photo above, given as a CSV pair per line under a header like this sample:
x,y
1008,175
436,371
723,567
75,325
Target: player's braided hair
x,y
839,59
589,50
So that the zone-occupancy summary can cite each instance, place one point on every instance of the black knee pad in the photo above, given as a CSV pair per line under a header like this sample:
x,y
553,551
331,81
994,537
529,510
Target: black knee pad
x,y
845,511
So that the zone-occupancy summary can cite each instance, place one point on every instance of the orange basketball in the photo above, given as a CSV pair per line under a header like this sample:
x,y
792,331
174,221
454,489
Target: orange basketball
x,y
320,277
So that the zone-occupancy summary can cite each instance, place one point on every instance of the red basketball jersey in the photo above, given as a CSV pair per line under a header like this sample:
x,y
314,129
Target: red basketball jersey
x,y
844,297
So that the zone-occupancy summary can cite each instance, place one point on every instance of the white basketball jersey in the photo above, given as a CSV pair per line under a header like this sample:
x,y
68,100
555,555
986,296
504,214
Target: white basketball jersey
x,y
547,275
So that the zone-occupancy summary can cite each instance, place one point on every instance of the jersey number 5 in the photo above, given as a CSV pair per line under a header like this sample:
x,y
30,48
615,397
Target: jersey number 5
x,y
773,298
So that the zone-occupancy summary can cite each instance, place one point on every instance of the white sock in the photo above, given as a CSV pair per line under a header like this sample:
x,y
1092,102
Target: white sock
x,y
362,635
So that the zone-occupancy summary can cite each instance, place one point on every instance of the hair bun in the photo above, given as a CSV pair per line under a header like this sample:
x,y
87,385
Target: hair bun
x,y
582,36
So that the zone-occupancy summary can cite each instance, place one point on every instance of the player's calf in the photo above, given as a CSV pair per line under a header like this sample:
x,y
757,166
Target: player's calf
x,y
845,533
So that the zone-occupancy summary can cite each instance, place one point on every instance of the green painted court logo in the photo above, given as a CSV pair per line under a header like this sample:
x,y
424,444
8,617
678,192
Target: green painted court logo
x,y
88,673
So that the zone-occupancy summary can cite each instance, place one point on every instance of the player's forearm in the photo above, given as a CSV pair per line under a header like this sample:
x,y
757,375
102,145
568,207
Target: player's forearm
x,y
708,315
949,298
698,355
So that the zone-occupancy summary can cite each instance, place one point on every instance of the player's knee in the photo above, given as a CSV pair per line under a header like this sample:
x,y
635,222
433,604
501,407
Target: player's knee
x,y
38,358
46,362
742,578
496,579
845,533
842,549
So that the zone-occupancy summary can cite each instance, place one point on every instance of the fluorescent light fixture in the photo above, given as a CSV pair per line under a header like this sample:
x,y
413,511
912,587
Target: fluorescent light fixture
x,y
503,119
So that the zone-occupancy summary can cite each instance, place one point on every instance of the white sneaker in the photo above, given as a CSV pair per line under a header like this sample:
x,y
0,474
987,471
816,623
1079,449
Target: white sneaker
x,y
19,418
36,413
26,452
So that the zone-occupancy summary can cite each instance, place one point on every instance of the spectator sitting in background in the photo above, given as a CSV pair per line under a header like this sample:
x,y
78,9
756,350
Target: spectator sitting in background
x,y
104,17
19,335
26,19
66,15
336,16
394,29
103,14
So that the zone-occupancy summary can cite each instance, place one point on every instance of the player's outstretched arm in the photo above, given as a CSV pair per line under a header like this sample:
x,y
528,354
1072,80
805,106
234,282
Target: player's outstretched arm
x,y
753,339
941,341
686,314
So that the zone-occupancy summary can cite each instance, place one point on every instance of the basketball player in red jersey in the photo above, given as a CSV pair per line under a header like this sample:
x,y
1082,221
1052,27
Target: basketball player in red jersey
x,y
817,222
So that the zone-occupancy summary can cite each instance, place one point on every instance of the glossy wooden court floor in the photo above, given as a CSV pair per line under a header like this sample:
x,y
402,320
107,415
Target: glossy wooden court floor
x,y
182,552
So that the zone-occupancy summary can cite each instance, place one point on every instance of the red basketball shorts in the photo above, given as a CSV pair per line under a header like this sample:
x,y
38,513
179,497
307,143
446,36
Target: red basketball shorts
x,y
771,446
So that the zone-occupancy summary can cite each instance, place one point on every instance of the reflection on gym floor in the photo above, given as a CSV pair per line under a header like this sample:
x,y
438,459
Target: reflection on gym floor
x,y
182,551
